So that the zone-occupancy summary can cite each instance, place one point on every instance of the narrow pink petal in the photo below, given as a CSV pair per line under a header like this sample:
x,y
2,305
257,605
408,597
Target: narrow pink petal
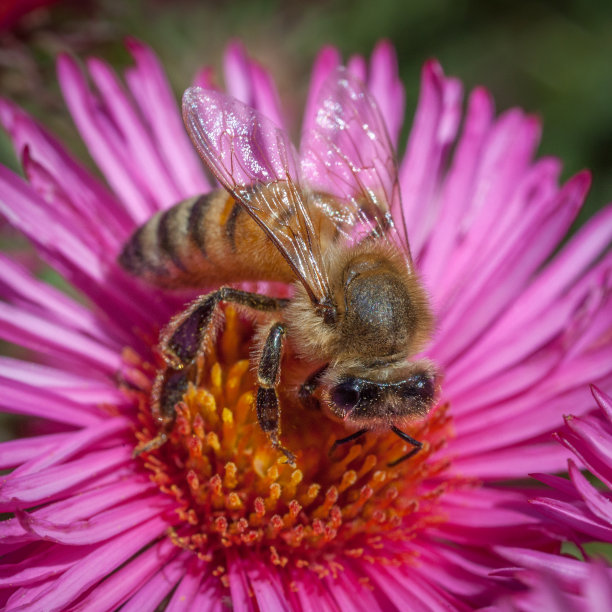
x,y
430,138
238,584
85,505
146,161
265,95
599,504
78,441
267,586
384,84
99,528
127,582
525,249
574,517
15,452
161,109
210,596
325,63
90,200
96,566
25,210
457,190
157,573
567,569
515,421
42,486
358,66
508,349
39,334
598,588
604,400
19,286
237,74
85,388
185,592
494,205
512,462
48,563
590,444
19,398
102,140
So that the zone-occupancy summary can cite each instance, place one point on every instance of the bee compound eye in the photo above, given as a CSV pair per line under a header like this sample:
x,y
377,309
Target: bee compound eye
x,y
346,395
420,387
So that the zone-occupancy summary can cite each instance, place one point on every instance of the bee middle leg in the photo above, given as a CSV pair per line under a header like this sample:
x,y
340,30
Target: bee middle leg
x,y
268,376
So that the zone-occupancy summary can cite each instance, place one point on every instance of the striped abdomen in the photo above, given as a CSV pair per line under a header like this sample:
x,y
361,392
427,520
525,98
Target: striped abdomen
x,y
202,241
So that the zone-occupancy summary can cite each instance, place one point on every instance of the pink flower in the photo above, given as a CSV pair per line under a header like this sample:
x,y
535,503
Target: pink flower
x,y
211,517
584,515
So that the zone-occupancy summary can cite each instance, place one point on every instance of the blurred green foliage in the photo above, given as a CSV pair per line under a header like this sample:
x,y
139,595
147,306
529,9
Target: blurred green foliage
x,y
550,57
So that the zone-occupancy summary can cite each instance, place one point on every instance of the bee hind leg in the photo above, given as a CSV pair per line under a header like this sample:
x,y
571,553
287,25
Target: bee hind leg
x,y
187,333
268,376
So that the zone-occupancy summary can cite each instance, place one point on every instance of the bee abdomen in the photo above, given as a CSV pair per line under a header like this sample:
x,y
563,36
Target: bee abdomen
x,y
163,249
203,241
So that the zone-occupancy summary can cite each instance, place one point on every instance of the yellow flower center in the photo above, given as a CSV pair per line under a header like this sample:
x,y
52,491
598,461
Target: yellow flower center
x,y
234,490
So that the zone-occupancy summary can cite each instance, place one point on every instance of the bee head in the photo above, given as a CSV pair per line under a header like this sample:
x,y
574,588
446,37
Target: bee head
x,y
370,403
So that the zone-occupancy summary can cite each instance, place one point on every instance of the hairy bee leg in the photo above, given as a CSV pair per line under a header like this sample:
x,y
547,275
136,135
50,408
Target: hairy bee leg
x,y
309,387
168,389
404,436
186,334
268,375
342,441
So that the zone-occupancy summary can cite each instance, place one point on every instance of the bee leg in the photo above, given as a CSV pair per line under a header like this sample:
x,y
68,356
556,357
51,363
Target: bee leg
x,y
404,436
184,338
350,438
168,390
306,392
268,375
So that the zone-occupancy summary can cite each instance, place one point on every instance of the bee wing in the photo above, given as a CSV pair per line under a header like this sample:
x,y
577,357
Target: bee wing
x,y
255,161
347,153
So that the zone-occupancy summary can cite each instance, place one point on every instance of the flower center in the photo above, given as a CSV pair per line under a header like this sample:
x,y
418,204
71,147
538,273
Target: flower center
x,y
233,489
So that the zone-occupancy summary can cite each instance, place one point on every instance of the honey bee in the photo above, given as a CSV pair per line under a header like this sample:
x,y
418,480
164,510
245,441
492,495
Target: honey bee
x,y
323,221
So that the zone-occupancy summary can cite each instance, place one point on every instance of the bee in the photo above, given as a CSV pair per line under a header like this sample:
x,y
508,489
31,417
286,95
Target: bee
x,y
322,221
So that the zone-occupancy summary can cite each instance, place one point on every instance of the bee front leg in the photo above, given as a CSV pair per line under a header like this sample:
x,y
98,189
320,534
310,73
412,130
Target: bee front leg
x,y
268,376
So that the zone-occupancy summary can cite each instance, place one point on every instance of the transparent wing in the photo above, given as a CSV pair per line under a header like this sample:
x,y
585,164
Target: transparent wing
x,y
347,154
255,161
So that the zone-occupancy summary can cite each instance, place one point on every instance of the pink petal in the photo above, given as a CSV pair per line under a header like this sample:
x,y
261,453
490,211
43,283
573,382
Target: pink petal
x,y
188,587
83,197
42,486
104,142
50,562
99,528
139,145
153,587
95,566
384,84
77,442
598,504
325,63
573,517
430,138
149,81
19,398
